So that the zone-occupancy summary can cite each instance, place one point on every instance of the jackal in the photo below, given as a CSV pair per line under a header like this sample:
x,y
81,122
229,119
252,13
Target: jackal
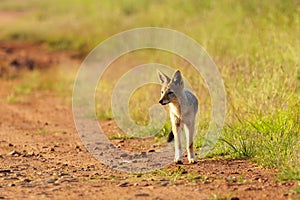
x,y
183,109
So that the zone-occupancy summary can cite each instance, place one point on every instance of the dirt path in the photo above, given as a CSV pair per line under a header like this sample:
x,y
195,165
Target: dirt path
x,y
42,157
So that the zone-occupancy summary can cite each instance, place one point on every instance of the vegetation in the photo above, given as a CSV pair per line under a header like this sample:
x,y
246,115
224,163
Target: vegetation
x,y
255,44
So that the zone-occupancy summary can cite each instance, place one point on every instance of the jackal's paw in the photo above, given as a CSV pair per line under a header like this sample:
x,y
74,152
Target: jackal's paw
x,y
192,161
179,162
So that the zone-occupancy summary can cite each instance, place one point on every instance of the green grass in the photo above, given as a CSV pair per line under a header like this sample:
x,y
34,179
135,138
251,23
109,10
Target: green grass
x,y
57,78
119,136
254,43
294,191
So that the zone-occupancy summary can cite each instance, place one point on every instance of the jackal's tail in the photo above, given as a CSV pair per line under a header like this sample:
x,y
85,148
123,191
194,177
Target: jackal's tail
x,y
170,136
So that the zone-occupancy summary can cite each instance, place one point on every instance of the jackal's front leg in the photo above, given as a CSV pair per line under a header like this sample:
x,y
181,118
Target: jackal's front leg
x,y
176,128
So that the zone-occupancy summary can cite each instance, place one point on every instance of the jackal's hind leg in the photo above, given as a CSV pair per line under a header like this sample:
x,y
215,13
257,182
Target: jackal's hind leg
x,y
189,131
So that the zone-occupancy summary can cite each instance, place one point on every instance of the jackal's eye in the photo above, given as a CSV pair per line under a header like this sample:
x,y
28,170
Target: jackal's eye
x,y
170,93
162,92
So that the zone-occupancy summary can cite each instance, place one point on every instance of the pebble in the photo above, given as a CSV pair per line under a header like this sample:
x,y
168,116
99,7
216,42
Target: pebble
x,y
124,184
14,152
68,179
231,179
27,180
141,195
62,174
164,184
10,178
50,180
151,150
123,155
5,171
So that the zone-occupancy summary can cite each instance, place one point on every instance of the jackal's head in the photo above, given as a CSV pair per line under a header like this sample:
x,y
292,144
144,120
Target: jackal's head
x,y
170,87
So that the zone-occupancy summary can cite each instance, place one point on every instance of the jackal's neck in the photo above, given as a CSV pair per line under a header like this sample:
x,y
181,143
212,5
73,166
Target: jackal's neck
x,y
175,108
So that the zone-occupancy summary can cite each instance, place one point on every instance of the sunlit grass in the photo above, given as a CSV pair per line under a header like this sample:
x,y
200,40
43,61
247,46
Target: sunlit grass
x,y
58,79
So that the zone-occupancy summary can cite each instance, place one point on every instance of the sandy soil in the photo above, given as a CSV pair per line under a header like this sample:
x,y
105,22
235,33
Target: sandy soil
x,y
42,157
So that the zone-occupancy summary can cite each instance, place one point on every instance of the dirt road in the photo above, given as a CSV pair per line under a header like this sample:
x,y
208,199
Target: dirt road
x,y
42,157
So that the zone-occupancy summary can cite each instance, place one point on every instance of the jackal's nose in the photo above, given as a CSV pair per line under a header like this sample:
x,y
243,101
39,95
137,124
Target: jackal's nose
x,y
162,102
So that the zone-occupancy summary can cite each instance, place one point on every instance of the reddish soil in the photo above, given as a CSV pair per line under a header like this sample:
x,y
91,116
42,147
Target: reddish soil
x,y
42,157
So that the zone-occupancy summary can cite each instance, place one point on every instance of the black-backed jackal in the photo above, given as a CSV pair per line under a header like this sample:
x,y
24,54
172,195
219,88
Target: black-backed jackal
x,y
183,109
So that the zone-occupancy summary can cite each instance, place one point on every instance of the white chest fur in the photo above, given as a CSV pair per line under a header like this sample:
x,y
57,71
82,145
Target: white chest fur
x,y
175,109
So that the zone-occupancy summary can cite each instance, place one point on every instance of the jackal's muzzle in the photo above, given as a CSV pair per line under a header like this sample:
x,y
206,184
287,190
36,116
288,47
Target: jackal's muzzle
x,y
163,102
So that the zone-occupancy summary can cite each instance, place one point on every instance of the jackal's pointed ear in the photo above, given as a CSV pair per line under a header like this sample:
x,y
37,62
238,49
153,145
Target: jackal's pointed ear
x,y
177,78
163,79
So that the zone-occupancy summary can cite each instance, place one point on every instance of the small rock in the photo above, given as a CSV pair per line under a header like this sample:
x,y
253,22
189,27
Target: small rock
x,y
5,171
249,188
10,178
12,185
10,145
68,179
141,195
19,174
231,179
56,183
143,154
50,180
14,152
27,180
235,198
123,155
164,184
124,184
62,174
96,148
151,150
28,185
